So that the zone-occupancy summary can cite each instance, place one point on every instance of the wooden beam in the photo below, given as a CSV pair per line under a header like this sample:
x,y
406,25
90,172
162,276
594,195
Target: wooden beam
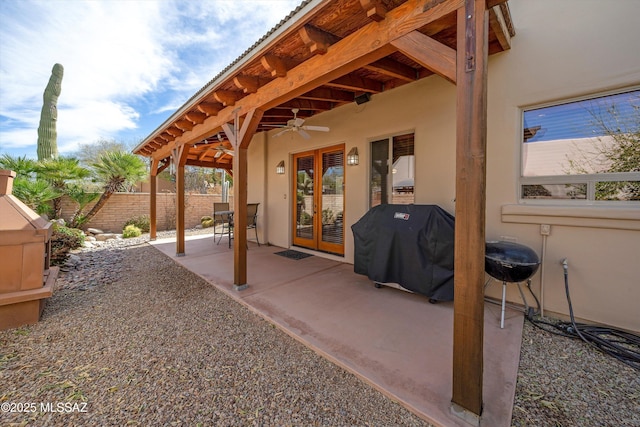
x,y
228,98
328,94
248,84
499,26
167,136
274,65
356,83
392,68
370,43
184,125
429,53
491,3
196,117
174,131
210,108
317,40
471,141
374,8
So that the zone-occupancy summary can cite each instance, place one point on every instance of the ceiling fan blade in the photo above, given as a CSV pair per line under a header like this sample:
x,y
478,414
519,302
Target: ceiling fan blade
x,y
286,129
316,128
297,122
304,134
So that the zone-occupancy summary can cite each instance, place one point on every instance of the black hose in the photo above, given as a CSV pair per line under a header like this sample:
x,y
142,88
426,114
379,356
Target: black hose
x,y
622,345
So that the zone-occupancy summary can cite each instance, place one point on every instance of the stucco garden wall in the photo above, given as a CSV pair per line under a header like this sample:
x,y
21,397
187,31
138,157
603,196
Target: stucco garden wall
x,y
124,206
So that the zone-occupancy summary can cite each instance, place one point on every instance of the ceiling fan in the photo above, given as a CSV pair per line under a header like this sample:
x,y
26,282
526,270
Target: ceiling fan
x,y
297,125
221,149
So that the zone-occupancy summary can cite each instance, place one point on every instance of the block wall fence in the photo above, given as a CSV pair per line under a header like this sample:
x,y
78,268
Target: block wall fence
x,y
123,206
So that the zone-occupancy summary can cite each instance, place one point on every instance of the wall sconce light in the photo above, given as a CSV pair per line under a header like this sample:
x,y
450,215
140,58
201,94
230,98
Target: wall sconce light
x,y
280,168
352,157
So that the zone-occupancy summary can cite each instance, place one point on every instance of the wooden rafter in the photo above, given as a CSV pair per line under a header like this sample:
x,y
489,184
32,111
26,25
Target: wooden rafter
x,y
196,117
393,69
227,98
210,108
274,65
316,40
375,9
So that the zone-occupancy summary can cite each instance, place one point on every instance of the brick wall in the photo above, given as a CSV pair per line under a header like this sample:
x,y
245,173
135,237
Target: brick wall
x,y
123,206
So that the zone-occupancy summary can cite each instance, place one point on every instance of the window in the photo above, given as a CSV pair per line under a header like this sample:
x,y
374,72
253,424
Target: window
x,y
585,150
392,171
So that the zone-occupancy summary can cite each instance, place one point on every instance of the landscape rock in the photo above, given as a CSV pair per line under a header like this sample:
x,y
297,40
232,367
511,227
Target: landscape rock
x,y
95,231
105,236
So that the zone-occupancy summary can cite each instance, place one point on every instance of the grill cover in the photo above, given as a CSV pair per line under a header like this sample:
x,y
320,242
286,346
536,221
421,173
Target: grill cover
x,y
411,245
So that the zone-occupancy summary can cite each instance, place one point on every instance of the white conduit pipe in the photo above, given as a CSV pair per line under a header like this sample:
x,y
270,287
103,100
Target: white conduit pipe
x,y
542,256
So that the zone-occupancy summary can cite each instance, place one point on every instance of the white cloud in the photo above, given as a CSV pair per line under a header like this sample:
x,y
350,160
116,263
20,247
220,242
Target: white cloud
x,y
122,59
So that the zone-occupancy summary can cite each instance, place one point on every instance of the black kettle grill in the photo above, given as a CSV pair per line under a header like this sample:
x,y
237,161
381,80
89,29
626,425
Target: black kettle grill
x,y
510,262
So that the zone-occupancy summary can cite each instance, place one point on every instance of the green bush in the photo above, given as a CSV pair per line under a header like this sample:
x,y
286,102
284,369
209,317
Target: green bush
x,y
143,223
131,231
206,221
305,218
63,239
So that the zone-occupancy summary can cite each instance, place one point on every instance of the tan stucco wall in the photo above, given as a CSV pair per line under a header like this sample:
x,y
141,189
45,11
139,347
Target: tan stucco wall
x,y
561,50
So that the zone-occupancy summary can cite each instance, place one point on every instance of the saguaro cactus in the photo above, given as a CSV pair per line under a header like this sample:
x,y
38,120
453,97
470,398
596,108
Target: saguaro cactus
x,y
47,134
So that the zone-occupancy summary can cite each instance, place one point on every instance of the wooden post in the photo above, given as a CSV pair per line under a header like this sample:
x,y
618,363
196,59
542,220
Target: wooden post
x,y
240,218
471,138
240,139
153,200
179,157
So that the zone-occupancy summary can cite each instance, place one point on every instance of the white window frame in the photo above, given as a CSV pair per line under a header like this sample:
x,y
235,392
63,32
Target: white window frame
x,y
589,179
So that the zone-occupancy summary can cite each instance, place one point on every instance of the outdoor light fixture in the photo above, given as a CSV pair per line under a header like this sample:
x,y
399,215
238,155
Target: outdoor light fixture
x,y
280,168
361,99
353,158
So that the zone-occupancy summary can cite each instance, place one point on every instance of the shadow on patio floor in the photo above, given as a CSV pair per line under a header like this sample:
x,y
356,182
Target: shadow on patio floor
x,y
394,340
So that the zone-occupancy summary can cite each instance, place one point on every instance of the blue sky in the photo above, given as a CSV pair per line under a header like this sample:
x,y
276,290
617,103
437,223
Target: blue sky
x,y
127,64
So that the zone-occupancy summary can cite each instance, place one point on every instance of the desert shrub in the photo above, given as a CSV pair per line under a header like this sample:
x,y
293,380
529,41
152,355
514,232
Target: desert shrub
x,y
63,239
131,231
143,223
206,221
305,218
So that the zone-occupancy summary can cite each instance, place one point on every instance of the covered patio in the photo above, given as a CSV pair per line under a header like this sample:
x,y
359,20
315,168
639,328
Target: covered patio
x,y
329,54
396,341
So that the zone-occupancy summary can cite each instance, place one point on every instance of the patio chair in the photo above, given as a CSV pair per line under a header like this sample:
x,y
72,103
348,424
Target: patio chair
x,y
252,221
220,219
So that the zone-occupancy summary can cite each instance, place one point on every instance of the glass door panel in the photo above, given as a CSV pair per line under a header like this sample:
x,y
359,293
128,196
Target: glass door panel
x,y
304,232
332,202
319,204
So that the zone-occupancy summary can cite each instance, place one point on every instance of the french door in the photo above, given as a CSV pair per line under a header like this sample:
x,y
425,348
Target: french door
x,y
319,203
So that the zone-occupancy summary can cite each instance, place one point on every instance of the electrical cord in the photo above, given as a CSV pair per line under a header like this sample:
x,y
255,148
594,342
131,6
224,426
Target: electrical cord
x,y
622,345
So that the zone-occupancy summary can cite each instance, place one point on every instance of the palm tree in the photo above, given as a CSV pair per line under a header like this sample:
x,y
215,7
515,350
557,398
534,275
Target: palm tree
x,y
58,172
115,169
35,193
82,198
22,166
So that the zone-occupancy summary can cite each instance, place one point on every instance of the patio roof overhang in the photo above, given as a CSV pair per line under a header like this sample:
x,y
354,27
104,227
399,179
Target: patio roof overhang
x,y
323,55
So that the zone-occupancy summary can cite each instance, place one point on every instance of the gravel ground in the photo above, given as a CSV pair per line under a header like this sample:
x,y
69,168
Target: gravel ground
x,y
192,356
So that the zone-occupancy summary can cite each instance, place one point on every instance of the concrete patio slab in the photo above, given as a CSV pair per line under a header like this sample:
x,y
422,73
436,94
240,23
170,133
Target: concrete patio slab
x,y
394,340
